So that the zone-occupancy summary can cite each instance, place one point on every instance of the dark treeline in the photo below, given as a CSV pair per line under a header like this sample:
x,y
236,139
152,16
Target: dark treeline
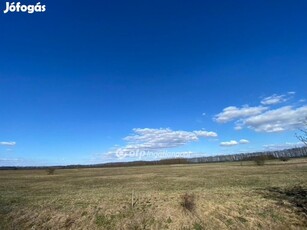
x,y
139,163
105,165
280,154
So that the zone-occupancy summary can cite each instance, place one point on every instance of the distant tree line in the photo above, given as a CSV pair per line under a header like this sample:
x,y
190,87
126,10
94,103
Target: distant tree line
x,y
266,155
278,154
168,161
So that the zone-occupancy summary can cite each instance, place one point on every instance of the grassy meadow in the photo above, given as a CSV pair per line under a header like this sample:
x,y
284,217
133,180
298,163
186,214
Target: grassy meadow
x,y
223,196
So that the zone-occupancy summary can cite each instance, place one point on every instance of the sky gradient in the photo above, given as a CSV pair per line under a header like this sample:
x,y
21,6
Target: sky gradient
x,y
93,82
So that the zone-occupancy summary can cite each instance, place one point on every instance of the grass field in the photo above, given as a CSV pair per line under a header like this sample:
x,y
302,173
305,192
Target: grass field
x,y
227,196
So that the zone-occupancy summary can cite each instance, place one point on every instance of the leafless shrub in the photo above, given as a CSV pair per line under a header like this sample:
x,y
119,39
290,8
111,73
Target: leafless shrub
x,y
50,171
260,159
188,202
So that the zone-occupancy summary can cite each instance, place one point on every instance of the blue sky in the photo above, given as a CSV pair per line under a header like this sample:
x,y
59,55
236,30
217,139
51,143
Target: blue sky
x,y
99,81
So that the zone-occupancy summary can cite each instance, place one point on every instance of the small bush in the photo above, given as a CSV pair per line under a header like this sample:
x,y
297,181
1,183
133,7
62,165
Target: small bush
x,y
188,202
260,160
284,158
50,171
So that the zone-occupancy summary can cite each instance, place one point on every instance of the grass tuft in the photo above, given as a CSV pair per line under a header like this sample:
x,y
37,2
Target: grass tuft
x,y
188,202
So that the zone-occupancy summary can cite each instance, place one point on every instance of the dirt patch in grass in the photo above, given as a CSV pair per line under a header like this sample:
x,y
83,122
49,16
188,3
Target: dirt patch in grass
x,y
294,197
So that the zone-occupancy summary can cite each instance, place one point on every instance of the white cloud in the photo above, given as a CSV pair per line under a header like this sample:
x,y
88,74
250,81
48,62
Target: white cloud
x,y
277,120
8,143
229,143
203,133
263,118
147,139
287,145
243,141
275,99
233,143
231,113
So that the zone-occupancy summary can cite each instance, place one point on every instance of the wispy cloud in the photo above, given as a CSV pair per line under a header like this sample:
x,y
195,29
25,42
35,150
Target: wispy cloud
x,y
8,143
286,145
11,162
244,141
232,112
276,99
233,143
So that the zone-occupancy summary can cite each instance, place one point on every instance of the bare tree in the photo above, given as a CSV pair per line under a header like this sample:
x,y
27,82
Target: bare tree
x,y
302,136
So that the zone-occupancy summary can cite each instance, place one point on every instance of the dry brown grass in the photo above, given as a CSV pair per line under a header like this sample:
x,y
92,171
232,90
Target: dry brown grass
x,y
226,196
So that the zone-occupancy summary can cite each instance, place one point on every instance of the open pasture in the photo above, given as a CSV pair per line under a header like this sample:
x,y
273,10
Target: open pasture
x,y
225,196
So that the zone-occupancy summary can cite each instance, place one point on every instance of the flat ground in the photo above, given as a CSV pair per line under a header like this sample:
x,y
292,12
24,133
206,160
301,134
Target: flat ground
x,y
227,196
